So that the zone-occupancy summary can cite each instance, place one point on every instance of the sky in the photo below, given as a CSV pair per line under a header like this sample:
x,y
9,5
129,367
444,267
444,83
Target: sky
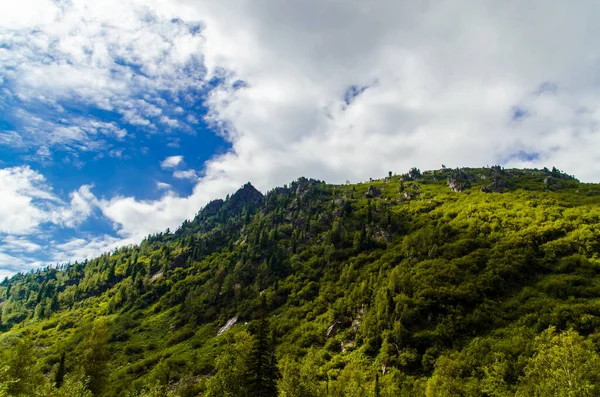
x,y
122,118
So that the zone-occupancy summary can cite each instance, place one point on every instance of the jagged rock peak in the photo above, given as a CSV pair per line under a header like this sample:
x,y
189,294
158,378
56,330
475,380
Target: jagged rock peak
x,y
247,194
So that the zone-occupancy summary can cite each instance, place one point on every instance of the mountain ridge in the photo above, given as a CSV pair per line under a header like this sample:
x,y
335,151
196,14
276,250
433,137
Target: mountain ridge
x,y
403,273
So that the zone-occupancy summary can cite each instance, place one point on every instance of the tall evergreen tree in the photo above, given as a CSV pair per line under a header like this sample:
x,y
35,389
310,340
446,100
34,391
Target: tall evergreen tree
x,y
262,370
59,375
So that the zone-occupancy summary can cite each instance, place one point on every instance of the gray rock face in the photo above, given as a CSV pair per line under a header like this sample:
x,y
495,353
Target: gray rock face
x,y
458,181
247,195
372,192
230,323
339,201
333,329
455,185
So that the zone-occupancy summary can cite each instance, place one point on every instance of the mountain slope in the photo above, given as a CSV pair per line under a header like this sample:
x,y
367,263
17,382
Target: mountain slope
x,y
434,282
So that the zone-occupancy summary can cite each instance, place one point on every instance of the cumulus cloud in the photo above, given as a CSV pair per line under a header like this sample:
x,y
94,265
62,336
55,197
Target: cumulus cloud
x,y
86,248
12,264
187,174
325,89
171,162
20,244
437,90
29,211
29,202
343,91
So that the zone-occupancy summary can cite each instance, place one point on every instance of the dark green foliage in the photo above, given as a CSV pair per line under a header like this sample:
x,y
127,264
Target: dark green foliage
x,y
262,369
59,375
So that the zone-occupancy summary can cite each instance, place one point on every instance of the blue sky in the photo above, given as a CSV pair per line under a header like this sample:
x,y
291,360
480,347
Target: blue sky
x,y
122,118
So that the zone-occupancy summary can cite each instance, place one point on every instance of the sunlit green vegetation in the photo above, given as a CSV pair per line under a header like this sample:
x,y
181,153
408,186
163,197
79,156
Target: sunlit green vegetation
x,y
398,286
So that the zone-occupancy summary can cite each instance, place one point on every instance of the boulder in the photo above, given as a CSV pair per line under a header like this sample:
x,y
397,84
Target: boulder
x,y
455,185
372,192
333,329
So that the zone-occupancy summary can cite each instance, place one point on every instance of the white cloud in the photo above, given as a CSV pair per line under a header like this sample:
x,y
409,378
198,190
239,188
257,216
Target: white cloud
x,y
79,209
171,162
136,219
13,263
75,52
433,83
29,206
78,249
73,134
191,119
187,174
13,243
439,91
118,153
169,121
28,202
332,90
162,186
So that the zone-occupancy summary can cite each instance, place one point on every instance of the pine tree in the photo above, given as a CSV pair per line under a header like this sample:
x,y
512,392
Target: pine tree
x,y
59,375
262,370
110,277
54,305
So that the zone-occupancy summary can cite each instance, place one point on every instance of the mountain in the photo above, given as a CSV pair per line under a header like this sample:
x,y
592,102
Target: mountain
x,y
452,282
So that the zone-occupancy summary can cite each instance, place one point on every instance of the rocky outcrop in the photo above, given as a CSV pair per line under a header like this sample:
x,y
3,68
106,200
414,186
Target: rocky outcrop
x,y
406,196
246,196
458,181
498,183
230,323
372,192
456,185
345,346
414,173
333,329
339,201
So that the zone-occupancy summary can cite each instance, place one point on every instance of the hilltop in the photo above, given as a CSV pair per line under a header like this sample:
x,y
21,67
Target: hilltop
x,y
438,283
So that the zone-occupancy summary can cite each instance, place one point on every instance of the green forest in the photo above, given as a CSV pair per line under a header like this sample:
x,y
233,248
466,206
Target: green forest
x,y
454,282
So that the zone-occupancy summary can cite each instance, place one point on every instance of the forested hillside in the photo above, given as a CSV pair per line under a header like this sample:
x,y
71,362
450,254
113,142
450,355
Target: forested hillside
x,y
453,282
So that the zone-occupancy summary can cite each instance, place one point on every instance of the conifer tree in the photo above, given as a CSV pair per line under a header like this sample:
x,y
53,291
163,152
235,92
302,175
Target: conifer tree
x,y
262,372
59,375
